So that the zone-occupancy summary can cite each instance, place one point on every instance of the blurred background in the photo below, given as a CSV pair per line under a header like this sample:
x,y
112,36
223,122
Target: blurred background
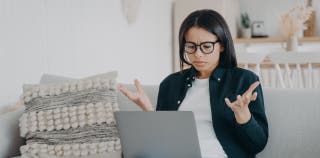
x,y
138,38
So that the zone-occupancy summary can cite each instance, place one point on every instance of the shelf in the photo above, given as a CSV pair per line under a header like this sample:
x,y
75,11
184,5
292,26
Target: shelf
x,y
273,40
271,65
267,63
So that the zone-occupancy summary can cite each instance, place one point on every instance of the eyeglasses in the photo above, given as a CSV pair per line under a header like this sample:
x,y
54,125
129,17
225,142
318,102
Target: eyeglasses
x,y
205,47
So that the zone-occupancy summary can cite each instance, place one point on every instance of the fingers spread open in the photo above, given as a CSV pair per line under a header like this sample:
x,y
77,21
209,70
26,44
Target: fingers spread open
x,y
246,98
126,92
254,96
239,101
138,86
122,88
252,87
230,105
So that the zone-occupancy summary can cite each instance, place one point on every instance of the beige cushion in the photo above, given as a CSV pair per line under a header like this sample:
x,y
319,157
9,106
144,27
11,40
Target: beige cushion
x,y
71,118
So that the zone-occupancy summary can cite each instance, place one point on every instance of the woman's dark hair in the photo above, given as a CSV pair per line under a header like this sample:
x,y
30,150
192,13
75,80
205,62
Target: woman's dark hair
x,y
213,22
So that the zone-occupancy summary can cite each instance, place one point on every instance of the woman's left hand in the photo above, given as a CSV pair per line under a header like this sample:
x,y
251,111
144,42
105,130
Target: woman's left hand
x,y
240,107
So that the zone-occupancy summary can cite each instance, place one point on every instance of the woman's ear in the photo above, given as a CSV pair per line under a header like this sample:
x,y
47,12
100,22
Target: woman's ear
x,y
221,48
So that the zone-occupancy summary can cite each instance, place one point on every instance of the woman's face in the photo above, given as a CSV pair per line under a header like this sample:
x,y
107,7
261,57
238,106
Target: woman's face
x,y
203,63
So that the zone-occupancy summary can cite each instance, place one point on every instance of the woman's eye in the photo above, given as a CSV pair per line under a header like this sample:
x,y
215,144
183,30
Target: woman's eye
x,y
206,46
190,47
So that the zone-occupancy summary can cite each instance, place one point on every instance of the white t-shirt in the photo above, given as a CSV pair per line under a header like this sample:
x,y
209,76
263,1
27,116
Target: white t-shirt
x,y
198,100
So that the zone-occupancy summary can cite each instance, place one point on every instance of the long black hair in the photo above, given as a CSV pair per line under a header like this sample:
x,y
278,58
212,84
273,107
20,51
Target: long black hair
x,y
213,22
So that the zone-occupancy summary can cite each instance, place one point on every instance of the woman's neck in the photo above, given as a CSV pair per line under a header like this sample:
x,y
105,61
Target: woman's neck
x,y
203,75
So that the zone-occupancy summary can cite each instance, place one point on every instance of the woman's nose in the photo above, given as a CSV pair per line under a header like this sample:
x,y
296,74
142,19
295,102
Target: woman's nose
x,y
198,52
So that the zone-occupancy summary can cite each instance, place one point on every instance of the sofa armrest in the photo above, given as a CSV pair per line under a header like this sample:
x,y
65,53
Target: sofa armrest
x,y
9,133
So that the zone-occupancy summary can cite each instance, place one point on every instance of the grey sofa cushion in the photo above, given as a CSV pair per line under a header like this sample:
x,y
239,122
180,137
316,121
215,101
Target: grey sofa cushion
x,y
49,78
293,116
10,141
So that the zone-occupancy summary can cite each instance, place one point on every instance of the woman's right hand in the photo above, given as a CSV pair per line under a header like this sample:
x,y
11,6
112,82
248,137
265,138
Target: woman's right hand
x,y
139,97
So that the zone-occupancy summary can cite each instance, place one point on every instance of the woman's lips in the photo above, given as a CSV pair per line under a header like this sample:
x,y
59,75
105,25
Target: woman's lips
x,y
199,63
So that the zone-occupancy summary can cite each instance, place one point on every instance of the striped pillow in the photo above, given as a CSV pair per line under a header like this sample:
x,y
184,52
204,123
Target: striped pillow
x,y
72,118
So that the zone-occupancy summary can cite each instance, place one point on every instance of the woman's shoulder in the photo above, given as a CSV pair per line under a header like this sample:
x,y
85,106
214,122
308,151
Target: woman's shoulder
x,y
243,73
176,76
240,79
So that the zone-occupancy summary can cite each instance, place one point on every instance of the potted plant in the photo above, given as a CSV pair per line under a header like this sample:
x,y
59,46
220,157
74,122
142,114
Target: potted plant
x,y
292,23
245,25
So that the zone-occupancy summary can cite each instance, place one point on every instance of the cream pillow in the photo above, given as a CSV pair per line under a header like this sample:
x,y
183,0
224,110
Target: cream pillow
x,y
71,118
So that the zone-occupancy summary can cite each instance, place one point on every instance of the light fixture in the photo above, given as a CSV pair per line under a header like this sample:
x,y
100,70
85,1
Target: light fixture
x,y
131,10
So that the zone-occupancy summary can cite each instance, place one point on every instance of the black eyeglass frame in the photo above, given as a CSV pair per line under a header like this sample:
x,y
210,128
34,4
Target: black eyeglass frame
x,y
199,45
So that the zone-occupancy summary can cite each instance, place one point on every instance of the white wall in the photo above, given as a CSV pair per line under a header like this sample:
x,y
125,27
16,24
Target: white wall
x,y
78,38
269,11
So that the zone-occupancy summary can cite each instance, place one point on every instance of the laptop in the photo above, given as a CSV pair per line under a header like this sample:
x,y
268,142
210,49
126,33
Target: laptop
x,y
161,134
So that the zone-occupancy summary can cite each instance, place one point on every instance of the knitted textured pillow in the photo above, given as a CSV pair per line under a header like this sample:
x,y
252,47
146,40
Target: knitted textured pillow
x,y
72,118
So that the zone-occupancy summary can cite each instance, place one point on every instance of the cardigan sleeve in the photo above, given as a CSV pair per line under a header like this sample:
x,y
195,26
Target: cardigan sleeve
x,y
254,134
160,100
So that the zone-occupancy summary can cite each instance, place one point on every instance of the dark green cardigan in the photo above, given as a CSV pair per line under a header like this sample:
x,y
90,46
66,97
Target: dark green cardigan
x,y
238,141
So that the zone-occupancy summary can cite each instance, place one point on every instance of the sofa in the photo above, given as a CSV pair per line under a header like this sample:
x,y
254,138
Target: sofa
x,y
293,116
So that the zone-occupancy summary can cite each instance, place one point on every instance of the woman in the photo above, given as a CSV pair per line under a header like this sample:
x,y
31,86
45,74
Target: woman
x,y
227,101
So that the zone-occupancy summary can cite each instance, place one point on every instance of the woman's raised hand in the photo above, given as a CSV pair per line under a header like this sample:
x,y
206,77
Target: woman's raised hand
x,y
139,97
240,107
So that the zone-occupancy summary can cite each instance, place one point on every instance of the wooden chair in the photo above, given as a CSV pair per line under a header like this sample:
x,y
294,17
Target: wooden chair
x,y
296,70
251,61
